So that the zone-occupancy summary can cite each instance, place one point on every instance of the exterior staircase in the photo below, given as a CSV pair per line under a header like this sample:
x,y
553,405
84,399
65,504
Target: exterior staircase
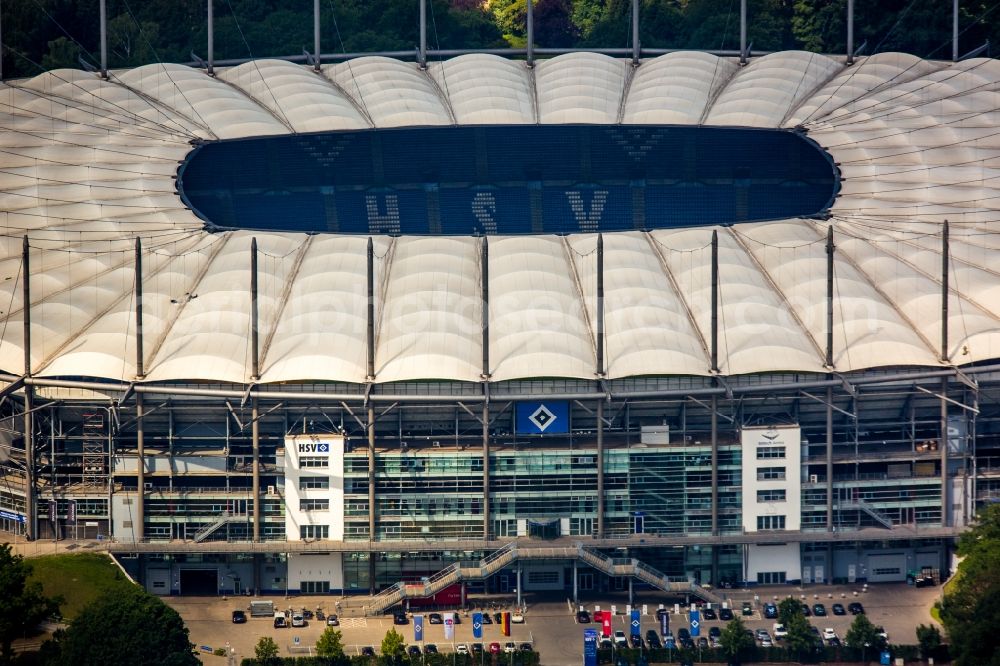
x,y
879,517
497,560
224,518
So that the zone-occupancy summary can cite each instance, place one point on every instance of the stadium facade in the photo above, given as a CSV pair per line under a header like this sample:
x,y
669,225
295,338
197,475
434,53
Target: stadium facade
x,y
574,334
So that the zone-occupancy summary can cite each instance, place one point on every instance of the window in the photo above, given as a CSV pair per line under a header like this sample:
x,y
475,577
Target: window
x,y
777,495
314,461
314,531
316,482
545,577
770,523
893,571
771,474
314,505
770,577
766,452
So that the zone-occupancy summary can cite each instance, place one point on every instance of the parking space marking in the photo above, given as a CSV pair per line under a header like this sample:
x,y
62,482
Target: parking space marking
x,y
354,622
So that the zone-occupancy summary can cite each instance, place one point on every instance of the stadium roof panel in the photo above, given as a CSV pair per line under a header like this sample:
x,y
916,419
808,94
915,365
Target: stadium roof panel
x,y
88,165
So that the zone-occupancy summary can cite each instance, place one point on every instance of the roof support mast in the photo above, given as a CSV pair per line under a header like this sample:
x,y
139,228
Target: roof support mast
x,y
370,425
636,52
743,32
254,416
600,379
850,32
830,247
715,370
139,524
316,50
30,505
104,38
954,30
530,19
484,271
422,53
945,358
211,39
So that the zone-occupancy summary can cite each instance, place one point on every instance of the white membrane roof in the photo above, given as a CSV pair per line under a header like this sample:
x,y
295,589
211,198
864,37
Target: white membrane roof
x,y
87,166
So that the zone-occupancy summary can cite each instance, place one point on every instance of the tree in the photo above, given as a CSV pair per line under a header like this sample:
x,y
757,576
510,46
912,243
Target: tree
x,y
266,649
864,636
126,626
393,645
970,610
735,640
788,607
330,643
22,604
799,638
929,638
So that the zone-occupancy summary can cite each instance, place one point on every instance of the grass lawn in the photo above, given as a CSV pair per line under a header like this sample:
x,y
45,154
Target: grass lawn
x,y
79,578
948,587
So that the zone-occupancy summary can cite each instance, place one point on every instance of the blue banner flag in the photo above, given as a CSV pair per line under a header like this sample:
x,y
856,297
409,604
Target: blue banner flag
x,y
635,622
664,623
543,418
418,628
477,625
590,647
695,623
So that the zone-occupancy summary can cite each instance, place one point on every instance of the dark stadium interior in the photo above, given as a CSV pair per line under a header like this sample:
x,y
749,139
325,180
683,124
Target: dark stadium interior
x,y
508,179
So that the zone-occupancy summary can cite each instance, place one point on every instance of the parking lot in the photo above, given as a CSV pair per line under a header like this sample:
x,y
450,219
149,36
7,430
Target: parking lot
x,y
550,621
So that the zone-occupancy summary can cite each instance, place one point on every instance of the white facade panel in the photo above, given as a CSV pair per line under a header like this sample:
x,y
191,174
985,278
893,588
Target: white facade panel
x,y
772,559
316,568
764,452
319,458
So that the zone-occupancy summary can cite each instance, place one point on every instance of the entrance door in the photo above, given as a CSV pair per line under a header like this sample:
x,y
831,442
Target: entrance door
x,y
199,582
503,583
586,581
807,575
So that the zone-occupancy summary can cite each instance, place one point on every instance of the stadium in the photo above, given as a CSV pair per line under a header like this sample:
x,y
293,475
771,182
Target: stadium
x,y
486,323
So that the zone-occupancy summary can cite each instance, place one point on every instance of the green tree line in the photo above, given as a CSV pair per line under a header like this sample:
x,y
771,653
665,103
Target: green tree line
x,y
39,35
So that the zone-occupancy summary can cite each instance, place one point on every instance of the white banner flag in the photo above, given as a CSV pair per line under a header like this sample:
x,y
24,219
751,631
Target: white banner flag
x,y
449,626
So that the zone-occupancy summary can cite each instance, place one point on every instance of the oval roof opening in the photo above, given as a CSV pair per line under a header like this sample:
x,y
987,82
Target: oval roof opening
x,y
508,179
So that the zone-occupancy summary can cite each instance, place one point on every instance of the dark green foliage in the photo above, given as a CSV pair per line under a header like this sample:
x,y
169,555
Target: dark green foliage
x,y
447,659
35,31
124,627
22,604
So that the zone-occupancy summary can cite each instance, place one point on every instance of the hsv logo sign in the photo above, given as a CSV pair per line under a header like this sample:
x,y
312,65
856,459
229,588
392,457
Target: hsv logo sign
x,y
314,448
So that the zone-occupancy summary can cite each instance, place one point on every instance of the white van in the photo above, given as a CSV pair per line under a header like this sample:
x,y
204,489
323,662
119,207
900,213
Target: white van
x,y
298,620
779,631
279,620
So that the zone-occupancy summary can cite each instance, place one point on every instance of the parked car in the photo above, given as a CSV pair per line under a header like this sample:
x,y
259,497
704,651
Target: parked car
x,y
477,648
332,620
766,642
726,614
819,610
509,647
833,642
829,633
498,618
747,609
654,642
279,621
516,617
435,618
702,643
368,651
838,609
636,642
806,610
714,632
620,639
525,647
709,614
462,648
494,648
298,620
779,631
770,611
487,619
605,644
430,648
683,633
239,617
413,650
855,608
399,618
